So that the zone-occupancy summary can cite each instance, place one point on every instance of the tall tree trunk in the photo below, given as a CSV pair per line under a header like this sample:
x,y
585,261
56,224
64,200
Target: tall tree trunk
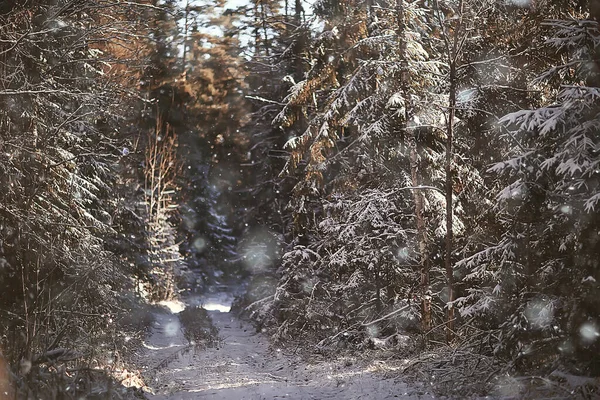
x,y
453,56
185,35
370,18
453,42
256,31
287,14
449,205
264,27
593,79
300,41
7,390
421,237
414,169
298,9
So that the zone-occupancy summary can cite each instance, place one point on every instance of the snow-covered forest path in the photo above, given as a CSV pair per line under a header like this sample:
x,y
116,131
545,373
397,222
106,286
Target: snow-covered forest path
x,y
244,366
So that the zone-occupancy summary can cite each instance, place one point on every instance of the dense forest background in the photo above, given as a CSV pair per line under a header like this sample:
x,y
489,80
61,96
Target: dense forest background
x,y
422,176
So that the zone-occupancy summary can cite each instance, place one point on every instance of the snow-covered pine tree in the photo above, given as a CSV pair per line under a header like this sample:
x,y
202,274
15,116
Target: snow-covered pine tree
x,y
60,153
538,282
353,146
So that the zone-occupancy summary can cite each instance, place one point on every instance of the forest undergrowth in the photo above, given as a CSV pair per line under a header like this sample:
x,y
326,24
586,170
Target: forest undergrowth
x,y
469,366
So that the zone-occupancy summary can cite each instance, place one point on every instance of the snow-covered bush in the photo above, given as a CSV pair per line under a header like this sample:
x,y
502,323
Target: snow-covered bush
x,y
361,268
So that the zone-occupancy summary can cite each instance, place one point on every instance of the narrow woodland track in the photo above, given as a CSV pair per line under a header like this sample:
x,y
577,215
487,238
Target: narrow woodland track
x,y
242,365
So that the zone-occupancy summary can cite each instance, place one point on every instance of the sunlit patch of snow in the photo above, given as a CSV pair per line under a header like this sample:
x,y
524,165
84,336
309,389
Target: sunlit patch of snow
x,y
141,289
174,306
217,307
375,367
213,301
193,368
231,385
589,332
128,378
151,347
379,366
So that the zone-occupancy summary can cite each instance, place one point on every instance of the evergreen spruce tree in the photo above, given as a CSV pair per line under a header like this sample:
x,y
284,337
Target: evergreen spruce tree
x,y
543,259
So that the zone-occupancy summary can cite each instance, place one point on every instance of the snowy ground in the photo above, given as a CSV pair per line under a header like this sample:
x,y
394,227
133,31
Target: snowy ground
x,y
244,366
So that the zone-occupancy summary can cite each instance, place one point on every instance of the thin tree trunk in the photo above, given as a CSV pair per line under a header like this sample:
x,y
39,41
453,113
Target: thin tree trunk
x,y
422,239
453,56
453,51
449,205
265,30
185,36
256,31
299,45
369,16
414,169
594,79
299,48
298,10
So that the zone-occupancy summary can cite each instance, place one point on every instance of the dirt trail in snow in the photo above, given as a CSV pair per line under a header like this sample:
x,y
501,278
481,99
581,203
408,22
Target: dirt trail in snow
x,y
243,366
